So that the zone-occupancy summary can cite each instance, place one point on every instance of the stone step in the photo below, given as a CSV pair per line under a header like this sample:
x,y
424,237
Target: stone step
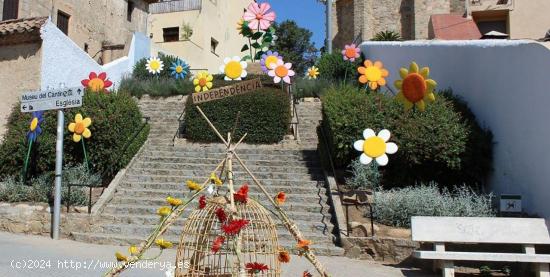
x,y
241,177
174,187
213,161
258,155
273,149
125,240
314,175
198,166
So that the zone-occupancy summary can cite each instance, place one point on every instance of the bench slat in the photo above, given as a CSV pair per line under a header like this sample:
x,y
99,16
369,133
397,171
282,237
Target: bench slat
x,y
482,256
480,230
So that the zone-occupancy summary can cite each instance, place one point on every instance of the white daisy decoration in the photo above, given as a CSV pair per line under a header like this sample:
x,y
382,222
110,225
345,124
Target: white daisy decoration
x,y
375,147
154,65
234,68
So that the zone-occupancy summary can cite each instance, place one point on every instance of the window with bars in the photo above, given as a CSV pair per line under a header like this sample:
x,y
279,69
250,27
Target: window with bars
x,y
10,10
63,22
171,34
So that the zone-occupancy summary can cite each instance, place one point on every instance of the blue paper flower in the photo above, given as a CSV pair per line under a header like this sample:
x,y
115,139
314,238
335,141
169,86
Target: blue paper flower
x,y
179,69
34,126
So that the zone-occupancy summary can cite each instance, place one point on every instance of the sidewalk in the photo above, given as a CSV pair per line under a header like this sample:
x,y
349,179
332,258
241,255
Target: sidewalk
x,y
69,258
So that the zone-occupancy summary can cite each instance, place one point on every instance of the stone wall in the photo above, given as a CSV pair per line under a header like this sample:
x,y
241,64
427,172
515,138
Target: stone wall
x,y
91,22
382,249
18,62
423,10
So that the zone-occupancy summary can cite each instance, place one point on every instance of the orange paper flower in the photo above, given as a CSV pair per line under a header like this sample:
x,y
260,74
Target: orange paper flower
x,y
415,87
373,74
303,244
280,198
284,257
306,274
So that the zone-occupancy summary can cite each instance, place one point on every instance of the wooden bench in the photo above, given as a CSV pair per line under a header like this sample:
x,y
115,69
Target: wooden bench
x,y
527,232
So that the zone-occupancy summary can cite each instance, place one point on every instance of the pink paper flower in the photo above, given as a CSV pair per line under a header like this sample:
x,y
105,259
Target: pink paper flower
x,y
281,71
259,16
351,52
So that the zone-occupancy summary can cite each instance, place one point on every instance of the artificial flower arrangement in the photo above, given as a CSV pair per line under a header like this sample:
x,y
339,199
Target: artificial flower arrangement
x,y
255,26
97,82
179,69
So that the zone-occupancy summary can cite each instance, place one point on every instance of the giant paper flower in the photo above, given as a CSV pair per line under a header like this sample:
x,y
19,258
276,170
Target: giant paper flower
x,y
415,87
97,83
268,59
179,69
79,127
281,71
203,81
375,147
351,52
312,72
373,74
255,268
154,65
259,16
234,68
34,127
240,25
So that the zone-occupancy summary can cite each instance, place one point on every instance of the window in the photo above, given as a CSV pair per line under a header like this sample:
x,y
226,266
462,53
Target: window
x,y
171,34
213,45
10,9
130,11
63,22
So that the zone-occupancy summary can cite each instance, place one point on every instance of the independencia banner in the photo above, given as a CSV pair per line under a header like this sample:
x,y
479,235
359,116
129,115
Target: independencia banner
x,y
228,91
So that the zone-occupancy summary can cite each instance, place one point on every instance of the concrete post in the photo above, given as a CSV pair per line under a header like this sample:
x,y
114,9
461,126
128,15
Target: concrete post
x,y
329,26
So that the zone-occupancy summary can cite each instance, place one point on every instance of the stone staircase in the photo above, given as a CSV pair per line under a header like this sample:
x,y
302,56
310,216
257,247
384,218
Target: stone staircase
x,y
161,169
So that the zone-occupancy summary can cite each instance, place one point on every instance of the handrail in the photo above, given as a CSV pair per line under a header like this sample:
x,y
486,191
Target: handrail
x,y
178,131
293,124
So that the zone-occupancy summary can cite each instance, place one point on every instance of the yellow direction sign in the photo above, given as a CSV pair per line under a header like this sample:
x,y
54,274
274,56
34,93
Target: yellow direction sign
x,y
227,91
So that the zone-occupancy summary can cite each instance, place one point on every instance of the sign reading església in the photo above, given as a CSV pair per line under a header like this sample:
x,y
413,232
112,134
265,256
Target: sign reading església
x,y
227,91
63,98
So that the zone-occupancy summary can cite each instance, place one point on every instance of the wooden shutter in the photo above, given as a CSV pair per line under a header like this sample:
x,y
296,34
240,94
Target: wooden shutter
x,y
63,22
10,9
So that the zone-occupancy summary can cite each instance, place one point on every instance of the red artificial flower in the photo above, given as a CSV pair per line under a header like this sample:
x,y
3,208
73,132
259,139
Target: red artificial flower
x,y
220,213
242,194
256,267
306,274
217,244
97,83
280,198
234,226
202,202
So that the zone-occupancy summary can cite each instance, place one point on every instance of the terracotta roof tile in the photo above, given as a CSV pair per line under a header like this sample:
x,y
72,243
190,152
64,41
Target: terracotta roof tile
x,y
454,27
21,26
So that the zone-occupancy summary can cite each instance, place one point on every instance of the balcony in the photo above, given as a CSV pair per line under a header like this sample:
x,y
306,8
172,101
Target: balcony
x,y
491,5
175,6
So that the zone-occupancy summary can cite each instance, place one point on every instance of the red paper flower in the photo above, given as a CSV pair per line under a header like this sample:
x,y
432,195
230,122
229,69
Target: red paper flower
x,y
234,226
306,274
97,83
280,198
202,202
217,244
220,213
254,268
242,194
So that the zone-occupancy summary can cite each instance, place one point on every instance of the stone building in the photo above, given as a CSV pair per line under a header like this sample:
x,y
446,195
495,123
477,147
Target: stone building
x,y
201,32
102,28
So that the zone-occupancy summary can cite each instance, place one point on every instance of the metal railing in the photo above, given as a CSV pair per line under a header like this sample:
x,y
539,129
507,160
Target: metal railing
x,y
105,171
295,120
175,6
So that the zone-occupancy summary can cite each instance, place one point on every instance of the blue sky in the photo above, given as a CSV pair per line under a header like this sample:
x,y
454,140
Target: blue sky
x,y
309,14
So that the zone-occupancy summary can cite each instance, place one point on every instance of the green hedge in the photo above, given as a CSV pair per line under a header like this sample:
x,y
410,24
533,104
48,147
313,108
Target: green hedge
x,y
333,67
443,144
265,116
115,119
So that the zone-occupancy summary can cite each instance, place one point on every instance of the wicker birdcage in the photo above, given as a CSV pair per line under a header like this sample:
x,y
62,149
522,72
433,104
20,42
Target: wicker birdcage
x,y
257,242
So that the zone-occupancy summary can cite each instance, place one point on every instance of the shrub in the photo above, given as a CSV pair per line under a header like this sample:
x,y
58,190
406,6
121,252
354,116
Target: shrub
x,y
304,87
396,207
387,36
364,177
265,116
442,144
333,67
116,118
140,70
156,87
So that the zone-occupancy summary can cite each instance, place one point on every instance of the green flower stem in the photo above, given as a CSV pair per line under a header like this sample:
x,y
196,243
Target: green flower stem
x,y
85,155
345,76
250,48
27,161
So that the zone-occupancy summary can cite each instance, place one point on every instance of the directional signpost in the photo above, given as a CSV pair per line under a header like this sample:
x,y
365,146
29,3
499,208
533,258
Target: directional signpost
x,y
58,99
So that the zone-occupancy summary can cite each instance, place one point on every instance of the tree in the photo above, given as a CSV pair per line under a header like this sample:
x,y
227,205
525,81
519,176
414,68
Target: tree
x,y
294,44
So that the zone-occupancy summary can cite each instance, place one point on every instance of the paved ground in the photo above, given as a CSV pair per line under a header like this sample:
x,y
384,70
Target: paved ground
x,y
18,253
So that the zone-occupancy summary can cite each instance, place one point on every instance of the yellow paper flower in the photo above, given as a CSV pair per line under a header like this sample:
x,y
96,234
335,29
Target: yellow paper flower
x,y
79,128
312,72
203,81
174,201
375,147
163,244
234,68
215,179
134,250
373,74
121,257
415,87
193,186
240,24
164,211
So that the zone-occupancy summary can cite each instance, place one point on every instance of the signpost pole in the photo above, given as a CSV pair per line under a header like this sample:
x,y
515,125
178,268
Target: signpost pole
x,y
58,174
